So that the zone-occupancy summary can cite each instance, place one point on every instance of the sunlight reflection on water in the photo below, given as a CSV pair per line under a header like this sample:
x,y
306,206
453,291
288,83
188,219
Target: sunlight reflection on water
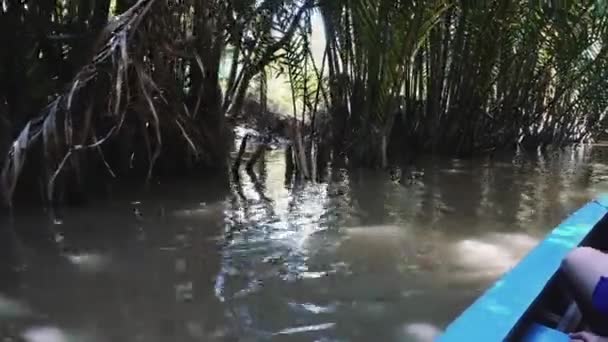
x,y
364,256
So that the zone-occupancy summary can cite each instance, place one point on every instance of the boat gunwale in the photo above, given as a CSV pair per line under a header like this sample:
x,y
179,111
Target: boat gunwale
x,y
495,315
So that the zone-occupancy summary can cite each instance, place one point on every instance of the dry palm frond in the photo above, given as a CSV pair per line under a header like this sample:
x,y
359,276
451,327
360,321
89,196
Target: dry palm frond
x,y
120,72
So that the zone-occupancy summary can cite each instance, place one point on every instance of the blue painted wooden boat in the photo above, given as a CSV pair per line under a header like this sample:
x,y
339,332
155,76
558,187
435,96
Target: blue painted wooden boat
x,y
530,302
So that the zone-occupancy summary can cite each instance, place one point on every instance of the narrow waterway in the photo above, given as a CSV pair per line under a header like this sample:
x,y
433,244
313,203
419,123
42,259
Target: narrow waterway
x,y
363,256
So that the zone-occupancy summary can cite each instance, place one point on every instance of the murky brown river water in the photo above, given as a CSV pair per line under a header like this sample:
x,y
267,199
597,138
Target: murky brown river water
x,y
361,257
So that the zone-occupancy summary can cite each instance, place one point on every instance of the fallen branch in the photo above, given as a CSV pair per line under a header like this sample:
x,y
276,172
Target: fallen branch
x,y
259,152
239,157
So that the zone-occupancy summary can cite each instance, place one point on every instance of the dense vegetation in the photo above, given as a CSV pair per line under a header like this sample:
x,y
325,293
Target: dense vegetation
x,y
91,89
465,76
